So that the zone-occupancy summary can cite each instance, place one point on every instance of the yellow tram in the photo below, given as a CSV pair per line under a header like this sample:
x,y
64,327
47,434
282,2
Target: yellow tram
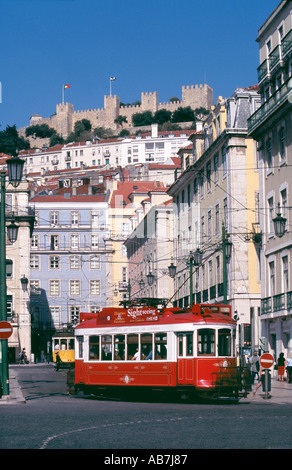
x,y
63,343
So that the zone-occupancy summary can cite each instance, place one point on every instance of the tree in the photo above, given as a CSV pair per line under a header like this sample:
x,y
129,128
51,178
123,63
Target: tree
x,y
143,119
82,126
162,116
10,142
120,119
39,130
183,115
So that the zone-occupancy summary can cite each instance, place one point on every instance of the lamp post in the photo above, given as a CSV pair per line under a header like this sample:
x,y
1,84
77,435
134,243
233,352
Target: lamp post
x,y
15,167
195,260
226,248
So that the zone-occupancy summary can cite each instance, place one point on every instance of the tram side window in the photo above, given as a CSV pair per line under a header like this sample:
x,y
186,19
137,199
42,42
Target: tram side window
x,y
93,348
146,346
106,348
160,343
71,343
206,341
80,340
119,347
132,346
224,342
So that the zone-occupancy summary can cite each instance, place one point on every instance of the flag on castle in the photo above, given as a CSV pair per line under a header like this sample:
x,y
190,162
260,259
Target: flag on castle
x,y
65,87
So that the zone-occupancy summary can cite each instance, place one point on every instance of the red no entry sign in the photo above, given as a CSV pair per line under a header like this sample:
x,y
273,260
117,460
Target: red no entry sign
x,y
6,330
266,360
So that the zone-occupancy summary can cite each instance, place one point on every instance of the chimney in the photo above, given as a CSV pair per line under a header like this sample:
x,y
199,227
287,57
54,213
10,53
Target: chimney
x,y
154,130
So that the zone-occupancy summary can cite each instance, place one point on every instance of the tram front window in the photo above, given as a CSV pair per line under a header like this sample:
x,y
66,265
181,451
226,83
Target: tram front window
x,y
93,348
63,344
206,341
224,342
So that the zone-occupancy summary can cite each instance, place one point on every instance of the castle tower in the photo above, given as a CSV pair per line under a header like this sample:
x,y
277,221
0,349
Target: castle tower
x,y
112,108
197,96
64,119
149,102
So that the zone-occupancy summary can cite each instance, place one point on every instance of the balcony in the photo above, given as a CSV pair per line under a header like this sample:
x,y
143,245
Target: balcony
x,y
286,44
263,70
276,303
269,107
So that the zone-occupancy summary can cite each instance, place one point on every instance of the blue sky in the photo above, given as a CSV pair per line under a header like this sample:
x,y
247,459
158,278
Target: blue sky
x,y
148,45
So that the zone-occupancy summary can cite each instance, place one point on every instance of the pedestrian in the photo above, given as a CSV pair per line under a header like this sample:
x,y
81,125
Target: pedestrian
x,y
58,362
281,363
22,357
289,368
255,367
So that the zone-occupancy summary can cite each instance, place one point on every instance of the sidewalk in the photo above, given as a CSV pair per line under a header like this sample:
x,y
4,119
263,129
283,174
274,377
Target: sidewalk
x,y
15,396
281,392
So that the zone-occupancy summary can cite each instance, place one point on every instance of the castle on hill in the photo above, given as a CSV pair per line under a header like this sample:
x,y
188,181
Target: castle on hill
x,y
64,119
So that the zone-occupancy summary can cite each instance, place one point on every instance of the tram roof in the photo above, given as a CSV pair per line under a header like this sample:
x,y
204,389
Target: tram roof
x,y
115,317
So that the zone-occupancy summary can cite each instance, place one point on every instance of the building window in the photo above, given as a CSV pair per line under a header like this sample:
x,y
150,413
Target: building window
x,y
74,218
216,165
94,219
270,214
34,261
285,274
74,262
74,315
209,224
94,287
269,152
282,145
55,290
9,268
208,172
54,262
95,262
54,242
34,241
224,161
35,287
54,217
55,316
217,226
94,241
74,287
74,239
272,278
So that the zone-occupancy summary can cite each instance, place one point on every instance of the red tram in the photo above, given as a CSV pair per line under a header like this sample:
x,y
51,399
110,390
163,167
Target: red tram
x,y
184,350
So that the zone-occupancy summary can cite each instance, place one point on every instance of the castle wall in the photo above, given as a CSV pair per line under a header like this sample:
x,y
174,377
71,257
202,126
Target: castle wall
x,y
65,118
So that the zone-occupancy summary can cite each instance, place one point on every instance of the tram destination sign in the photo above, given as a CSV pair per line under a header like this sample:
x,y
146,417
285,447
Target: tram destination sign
x,y
130,315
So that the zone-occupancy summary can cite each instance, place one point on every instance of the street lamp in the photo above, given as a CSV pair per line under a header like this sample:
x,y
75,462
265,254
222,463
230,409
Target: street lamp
x,y
15,169
279,224
172,270
150,279
24,283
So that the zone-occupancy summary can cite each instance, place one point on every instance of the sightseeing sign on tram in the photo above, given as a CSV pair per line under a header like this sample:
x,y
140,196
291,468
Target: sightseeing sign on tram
x,y
130,315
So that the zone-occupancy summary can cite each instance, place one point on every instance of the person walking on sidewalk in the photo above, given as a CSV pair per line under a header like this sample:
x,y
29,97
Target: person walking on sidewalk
x,y
255,367
281,363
